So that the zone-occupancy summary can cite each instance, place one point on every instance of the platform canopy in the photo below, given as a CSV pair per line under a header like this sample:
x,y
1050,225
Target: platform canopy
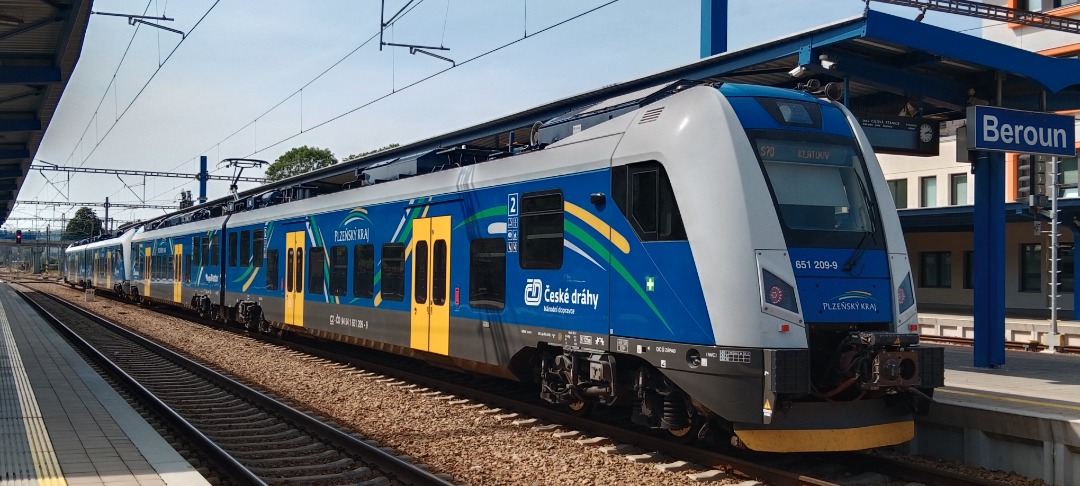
x,y
40,42
885,61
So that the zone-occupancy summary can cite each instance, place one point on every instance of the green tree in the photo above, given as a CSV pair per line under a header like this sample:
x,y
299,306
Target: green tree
x,y
84,224
369,152
298,161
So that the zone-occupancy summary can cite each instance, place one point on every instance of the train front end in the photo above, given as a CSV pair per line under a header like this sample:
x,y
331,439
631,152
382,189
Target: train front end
x,y
842,278
826,334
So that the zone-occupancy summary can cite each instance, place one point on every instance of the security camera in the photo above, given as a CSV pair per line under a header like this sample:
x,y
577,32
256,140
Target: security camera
x,y
828,64
798,71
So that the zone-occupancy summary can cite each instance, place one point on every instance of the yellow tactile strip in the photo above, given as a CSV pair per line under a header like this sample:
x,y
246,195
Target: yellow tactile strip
x,y
46,469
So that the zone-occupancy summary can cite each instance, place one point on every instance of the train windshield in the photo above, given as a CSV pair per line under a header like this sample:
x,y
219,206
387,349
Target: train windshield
x,y
818,184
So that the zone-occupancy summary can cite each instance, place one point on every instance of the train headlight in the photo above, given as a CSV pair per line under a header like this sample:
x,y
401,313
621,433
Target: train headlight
x,y
778,292
905,298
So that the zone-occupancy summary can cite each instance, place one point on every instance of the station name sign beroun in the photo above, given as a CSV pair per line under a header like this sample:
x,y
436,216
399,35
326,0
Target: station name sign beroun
x,y
1001,129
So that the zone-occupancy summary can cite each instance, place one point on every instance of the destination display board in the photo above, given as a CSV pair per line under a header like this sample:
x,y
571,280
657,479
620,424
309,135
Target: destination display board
x,y
902,135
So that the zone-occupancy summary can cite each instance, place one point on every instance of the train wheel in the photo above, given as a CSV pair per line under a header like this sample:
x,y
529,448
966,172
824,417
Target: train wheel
x,y
581,408
690,433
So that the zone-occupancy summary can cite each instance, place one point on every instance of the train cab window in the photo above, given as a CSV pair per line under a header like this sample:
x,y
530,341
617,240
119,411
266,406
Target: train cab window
x,y
487,273
316,277
393,271
257,248
364,271
271,269
541,230
245,248
644,195
438,272
339,269
420,268
232,248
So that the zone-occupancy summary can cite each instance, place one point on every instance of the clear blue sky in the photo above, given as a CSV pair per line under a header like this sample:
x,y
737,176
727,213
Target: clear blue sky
x,y
244,58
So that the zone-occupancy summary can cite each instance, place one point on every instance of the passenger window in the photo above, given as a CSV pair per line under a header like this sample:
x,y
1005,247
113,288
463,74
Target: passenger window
x,y
487,273
232,248
364,271
272,269
245,248
541,230
393,271
316,275
257,248
339,270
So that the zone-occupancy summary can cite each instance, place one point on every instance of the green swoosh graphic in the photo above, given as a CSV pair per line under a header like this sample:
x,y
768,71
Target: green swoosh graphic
x,y
487,213
596,246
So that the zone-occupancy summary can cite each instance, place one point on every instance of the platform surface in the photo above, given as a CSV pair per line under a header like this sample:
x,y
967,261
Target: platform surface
x,y
61,423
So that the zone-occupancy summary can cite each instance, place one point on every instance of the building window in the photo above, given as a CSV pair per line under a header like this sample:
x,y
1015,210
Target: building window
x,y
541,230
969,270
487,273
364,271
1067,166
316,277
927,192
271,269
935,270
1065,268
898,188
1031,267
393,271
958,189
339,269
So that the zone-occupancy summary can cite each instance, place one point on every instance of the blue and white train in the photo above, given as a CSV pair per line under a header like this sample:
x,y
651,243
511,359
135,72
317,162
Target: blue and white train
x,y
712,258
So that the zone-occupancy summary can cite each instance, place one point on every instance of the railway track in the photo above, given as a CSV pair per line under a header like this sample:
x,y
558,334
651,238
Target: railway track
x,y
519,403
250,437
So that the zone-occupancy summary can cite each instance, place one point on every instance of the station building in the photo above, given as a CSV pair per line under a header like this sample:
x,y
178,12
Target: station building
x,y
934,196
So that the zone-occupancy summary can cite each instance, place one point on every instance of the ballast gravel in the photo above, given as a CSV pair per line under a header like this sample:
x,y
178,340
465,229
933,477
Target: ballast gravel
x,y
472,447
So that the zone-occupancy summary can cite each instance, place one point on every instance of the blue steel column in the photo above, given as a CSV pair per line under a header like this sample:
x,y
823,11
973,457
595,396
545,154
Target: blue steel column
x,y
203,176
713,27
989,266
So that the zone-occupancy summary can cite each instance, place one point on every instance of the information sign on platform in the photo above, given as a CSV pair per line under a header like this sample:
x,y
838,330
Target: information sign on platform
x,y
1030,132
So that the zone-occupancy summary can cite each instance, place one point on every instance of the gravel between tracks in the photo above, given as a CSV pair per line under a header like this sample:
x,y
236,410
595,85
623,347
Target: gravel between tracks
x,y
474,448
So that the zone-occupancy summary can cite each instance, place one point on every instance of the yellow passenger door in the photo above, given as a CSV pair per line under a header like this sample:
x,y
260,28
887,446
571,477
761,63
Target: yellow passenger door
x,y
178,271
294,277
146,272
431,276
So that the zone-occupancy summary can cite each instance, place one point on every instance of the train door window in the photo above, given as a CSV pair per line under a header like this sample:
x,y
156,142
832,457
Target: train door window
x,y
420,268
290,258
232,248
438,270
257,248
316,277
643,192
393,271
245,248
297,274
541,230
339,269
487,273
271,269
364,271
215,250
